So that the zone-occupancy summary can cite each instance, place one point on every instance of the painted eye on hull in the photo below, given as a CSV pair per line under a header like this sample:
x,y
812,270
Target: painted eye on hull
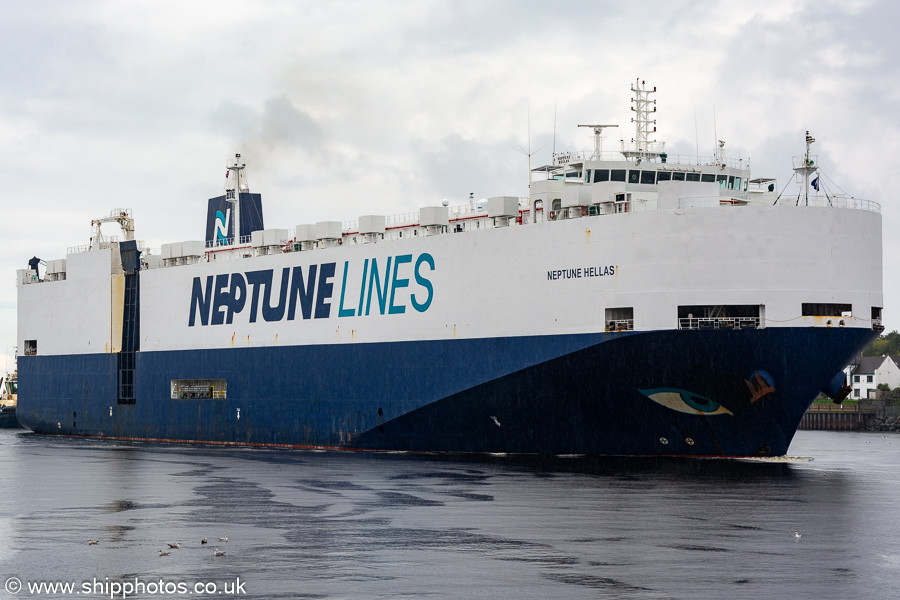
x,y
686,402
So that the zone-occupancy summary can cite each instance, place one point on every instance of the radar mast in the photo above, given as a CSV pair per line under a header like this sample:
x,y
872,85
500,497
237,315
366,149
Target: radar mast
x,y
598,141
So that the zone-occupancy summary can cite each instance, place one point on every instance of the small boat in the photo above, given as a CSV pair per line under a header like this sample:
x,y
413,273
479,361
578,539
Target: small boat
x,y
9,385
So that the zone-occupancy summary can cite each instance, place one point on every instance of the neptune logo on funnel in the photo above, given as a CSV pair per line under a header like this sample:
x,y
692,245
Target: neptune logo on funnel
x,y
222,226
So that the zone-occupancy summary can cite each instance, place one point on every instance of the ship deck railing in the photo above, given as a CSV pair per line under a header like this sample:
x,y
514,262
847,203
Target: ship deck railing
x,y
620,325
475,208
650,153
390,221
108,242
86,247
721,323
244,239
816,201
838,201
478,209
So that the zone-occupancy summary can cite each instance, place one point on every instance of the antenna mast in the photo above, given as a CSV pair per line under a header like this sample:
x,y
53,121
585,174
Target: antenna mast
x,y
554,129
715,132
643,108
806,167
529,153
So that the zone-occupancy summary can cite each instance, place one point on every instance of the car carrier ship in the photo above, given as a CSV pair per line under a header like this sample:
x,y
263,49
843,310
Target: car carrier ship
x,y
634,304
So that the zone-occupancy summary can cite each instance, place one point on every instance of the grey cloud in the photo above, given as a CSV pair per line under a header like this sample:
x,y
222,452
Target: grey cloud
x,y
282,123
279,126
464,166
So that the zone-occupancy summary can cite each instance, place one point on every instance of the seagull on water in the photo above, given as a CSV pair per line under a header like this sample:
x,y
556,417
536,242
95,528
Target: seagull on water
x,y
176,545
93,542
224,539
161,553
797,535
203,541
219,552
496,422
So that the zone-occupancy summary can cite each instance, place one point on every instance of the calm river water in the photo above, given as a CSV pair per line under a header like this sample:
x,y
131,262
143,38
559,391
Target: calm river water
x,y
349,525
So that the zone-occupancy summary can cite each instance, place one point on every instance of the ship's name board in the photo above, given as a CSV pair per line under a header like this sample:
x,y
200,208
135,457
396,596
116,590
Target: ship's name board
x,y
308,292
581,272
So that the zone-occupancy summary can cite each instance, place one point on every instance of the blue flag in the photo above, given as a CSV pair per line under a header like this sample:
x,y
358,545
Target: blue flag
x,y
815,184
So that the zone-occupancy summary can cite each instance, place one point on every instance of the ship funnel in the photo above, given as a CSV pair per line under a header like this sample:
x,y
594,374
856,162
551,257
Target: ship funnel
x,y
233,217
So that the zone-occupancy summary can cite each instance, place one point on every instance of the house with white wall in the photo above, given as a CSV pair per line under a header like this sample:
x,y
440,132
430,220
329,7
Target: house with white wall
x,y
867,372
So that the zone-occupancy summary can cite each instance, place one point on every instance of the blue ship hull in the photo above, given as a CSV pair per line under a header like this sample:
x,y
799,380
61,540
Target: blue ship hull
x,y
742,393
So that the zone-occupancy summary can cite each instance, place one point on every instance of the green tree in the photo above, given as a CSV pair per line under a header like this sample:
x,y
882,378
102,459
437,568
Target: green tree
x,y
885,344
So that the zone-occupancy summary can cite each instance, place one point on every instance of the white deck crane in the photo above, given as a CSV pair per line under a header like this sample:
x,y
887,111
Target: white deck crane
x,y
122,216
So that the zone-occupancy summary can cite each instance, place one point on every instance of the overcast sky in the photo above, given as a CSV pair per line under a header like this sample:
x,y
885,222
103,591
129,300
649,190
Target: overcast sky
x,y
350,108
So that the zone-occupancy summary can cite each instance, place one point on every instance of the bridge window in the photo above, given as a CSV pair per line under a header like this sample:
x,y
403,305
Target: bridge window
x,y
737,183
573,174
723,180
617,175
30,347
693,176
663,176
634,176
677,176
731,182
708,178
648,177
601,175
